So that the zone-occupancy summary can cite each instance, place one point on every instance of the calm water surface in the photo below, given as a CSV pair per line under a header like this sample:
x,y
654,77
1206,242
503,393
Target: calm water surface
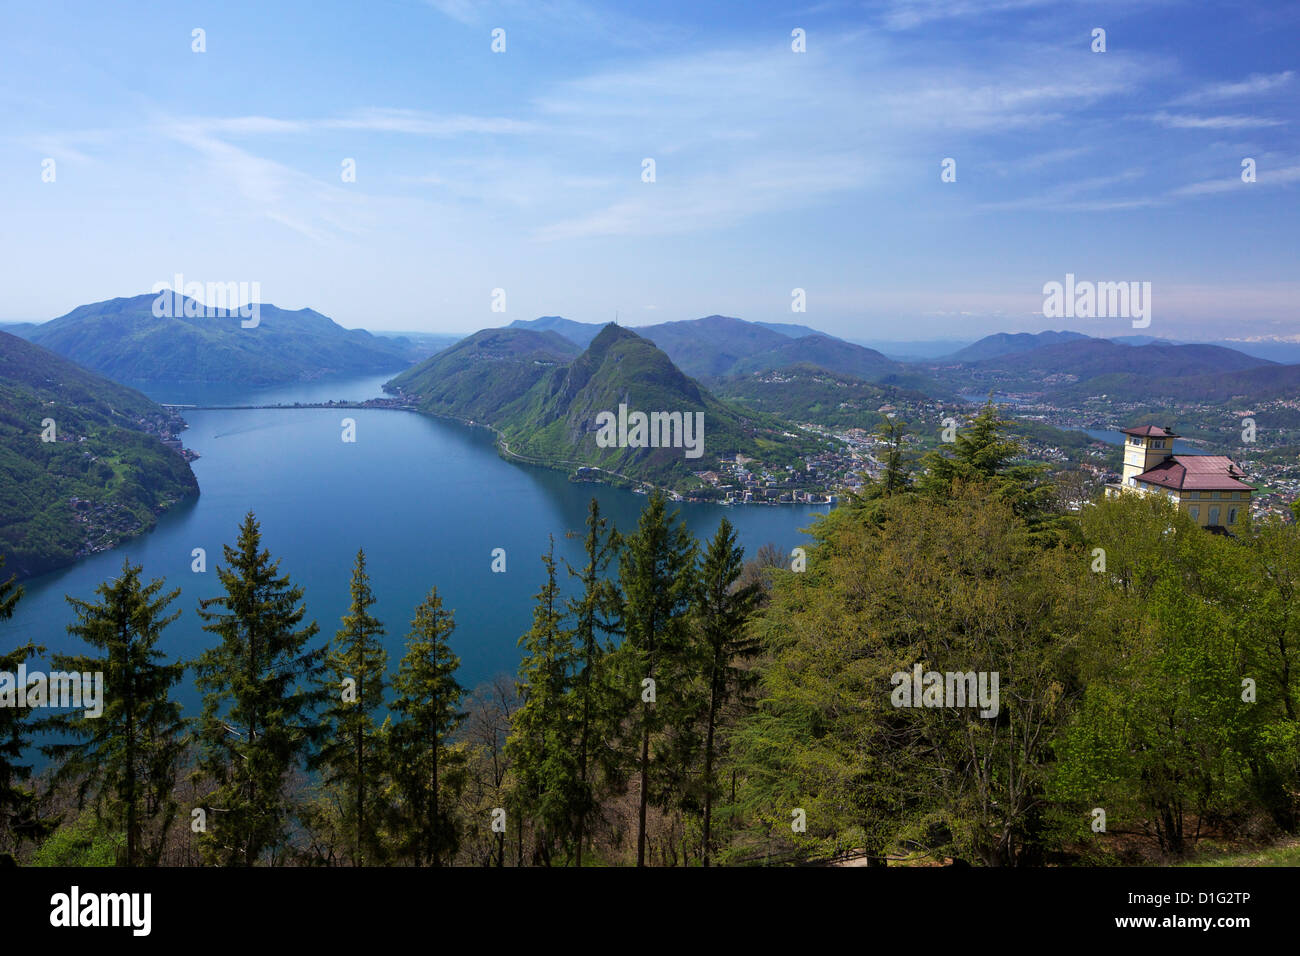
x,y
428,500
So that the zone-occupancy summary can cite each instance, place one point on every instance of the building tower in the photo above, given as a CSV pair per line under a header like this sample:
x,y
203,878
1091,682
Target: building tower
x,y
1144,448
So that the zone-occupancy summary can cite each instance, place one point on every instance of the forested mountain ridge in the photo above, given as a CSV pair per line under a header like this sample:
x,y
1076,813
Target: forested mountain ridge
x,y
105,476
124,340
545,405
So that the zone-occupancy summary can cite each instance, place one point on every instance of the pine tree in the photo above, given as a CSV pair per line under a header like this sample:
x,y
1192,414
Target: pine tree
x,y
128,755
986,452
261,694
428,698
596,611
351,756
721,611
18,819
657,572
541,745
895,476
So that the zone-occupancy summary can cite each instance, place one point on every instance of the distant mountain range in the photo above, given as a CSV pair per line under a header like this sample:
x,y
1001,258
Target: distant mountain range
x,y
124,340
1011,343
546,402
718,346
104,478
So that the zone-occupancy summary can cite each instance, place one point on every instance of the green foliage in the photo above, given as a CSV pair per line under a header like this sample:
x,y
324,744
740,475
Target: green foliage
x,y
722,608
424,767
353,750
548,784
127,757
596,611
657,574
261,692
986,452
105,479
18,818
82,843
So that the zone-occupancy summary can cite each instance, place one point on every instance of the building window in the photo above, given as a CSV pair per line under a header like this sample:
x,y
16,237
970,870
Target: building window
x,y
1158,443
1232,516
1214,516
1195,513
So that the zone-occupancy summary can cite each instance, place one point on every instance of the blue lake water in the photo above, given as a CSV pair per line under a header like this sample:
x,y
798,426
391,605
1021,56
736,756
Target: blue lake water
x,y
427,499
1119,438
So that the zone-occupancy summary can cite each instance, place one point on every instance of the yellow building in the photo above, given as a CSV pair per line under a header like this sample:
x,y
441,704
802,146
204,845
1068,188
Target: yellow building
x,y
1208,488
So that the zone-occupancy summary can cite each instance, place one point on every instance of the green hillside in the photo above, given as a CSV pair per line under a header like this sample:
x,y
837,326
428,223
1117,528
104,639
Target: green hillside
x,y
807,393
124,340
480,375
545,407
105,479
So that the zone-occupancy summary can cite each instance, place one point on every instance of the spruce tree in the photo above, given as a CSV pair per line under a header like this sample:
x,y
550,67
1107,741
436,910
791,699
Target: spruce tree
x,y
261,694
895,476
722,608
427,708
17,804
595,611
541,745
127,756
351,755
657,572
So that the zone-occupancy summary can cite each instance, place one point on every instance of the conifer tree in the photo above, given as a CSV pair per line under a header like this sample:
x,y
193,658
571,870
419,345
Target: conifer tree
x,y
351,754
657,572
895,477
541,744
428,698
17,803
595,612
721,610
127,756
261,696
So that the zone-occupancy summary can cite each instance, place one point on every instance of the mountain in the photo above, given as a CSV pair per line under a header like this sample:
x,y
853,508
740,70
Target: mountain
x,y
124,340
579,333
551,414
1010,343
713,345
1091,363
806,393
104,478
481,375
791,331
418,346
913,351
1243,386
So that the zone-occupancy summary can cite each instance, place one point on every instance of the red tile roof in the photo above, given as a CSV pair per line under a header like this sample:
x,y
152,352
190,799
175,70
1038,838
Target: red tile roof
x,y
1150,431
1196,473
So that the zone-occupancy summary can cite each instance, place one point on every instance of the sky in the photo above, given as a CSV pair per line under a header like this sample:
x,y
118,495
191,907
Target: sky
x,y
128,157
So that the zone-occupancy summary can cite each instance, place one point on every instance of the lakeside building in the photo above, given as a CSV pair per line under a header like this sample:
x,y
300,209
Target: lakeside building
x,y
1210,489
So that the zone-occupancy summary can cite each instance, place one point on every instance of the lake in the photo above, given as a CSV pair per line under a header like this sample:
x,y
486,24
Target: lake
x,y
427,499
1112,437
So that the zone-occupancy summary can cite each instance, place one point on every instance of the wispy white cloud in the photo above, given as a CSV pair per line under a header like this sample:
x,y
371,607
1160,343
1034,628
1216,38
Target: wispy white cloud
x,y
1192,121
1254,85
1263,177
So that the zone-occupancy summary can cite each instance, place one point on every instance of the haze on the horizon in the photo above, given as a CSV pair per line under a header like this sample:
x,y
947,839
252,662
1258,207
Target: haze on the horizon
x,y
774,170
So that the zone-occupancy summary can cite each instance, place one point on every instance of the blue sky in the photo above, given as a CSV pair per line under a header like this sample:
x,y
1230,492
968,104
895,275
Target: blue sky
x,y
774,170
